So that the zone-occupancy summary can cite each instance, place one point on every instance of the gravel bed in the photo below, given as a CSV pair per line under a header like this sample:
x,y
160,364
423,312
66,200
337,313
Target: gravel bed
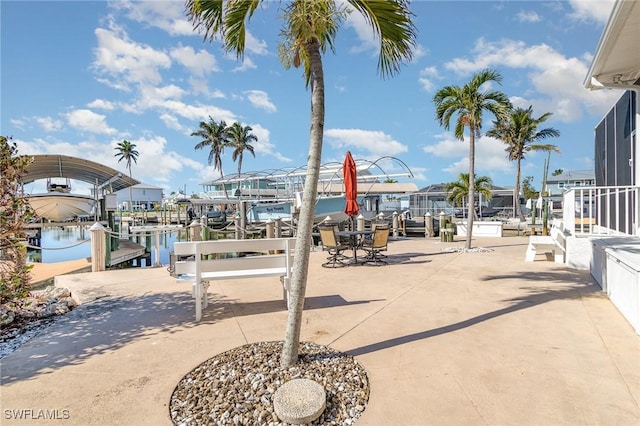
x,y
236,387
466,250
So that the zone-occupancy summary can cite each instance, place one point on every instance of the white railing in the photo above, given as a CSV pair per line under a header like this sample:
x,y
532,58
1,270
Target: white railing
x,y
602,210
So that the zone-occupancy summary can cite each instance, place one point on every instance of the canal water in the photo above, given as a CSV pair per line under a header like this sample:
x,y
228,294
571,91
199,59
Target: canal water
x,y
62,243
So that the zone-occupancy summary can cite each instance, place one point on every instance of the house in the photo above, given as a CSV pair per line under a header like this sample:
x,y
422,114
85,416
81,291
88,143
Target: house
x,y
606,237
558,184
144,197
615,197
432,199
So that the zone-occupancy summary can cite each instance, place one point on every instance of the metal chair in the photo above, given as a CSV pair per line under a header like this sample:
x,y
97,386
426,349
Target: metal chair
x,y
376,245
331,243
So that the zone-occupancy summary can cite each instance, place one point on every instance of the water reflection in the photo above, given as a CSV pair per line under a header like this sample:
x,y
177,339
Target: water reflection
x,y
63,243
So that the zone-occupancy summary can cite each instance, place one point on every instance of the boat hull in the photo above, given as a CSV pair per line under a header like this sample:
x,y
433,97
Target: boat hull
x,y
329,206
59,207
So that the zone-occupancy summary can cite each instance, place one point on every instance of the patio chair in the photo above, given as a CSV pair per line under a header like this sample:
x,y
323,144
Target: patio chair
x,y
376,245
331,243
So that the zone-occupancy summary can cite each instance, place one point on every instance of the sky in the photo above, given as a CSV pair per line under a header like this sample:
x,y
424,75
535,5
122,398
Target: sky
x,y
78,77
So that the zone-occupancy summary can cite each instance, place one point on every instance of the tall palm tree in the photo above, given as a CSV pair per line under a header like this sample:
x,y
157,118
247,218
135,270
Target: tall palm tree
x,y
469,102
458,190
240,138
127,152
214,136
519,130
310,27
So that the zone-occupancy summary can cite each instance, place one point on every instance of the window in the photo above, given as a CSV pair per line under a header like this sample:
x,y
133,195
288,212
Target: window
x,y
560,185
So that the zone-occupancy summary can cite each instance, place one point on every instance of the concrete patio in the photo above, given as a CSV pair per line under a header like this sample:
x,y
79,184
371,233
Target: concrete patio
x,y
447,339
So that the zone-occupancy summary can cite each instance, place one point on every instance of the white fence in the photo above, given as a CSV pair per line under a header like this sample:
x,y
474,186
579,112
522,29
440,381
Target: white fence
x,y
602,210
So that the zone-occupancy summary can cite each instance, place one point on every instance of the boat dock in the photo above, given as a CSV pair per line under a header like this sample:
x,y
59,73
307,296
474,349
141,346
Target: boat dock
x,y
128,251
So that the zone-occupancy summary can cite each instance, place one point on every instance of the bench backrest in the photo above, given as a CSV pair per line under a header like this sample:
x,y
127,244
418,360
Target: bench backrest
x,y
234,255
558,235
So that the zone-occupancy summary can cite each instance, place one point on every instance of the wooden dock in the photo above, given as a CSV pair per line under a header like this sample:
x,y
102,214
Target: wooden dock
x,y
128,251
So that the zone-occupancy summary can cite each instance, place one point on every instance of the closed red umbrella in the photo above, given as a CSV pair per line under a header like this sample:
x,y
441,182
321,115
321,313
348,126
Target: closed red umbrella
x,y
350,185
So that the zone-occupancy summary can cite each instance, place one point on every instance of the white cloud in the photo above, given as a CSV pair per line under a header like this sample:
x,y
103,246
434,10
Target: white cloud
x,y
152,96
48,123
427,75
375,143
199,63
247,64
120,59
490,156
364,33
20,124
171,122
419,51
260,99
253,45
595,10
263,146
101,104
528,16
166,15
556,79
88,121
197,112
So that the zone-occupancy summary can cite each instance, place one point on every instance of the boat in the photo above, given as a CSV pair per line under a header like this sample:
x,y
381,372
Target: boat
x,y
331,206
58,204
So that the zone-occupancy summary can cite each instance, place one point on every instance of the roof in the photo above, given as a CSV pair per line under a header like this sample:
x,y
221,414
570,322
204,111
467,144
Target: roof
x,y
440,188
616,63
573,175
62,166
329,172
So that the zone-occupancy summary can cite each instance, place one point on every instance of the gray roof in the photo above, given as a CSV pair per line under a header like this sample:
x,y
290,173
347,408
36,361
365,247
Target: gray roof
x,y
573,175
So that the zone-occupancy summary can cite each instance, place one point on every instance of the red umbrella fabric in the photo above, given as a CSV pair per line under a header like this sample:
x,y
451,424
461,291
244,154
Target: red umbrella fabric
x,y
350,185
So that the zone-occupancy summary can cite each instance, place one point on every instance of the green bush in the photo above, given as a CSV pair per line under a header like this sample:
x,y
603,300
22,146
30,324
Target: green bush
x,y
14,212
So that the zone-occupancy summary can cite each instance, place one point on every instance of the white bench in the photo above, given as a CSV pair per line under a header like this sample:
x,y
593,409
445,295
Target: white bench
x,y
204,261
556,243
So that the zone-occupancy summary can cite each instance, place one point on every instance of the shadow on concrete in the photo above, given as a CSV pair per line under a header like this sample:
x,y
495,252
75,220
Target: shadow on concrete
x,y
109,323
576,285
410,258
221,308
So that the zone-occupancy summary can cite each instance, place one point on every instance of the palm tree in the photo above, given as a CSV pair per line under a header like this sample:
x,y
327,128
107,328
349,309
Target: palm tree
x,y
310,27
519,130
240,139
214,135
458,190
127,152
469,103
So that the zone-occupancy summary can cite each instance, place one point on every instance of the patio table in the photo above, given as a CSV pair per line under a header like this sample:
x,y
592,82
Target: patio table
x,y
355,239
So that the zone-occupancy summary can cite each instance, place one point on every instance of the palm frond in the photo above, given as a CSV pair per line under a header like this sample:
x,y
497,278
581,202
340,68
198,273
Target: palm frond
x,y
391,21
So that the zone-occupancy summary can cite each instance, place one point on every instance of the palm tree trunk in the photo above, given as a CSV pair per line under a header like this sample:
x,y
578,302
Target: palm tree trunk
x,y
471,208
305,222
516,192
130,193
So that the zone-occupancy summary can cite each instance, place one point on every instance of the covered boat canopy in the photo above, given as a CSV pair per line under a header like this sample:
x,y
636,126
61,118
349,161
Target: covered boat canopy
x,y
62,166
374,177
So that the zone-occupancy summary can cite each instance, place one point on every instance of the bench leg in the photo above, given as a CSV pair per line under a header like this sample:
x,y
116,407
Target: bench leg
x,y
198,297
531,253
558,256
205,293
